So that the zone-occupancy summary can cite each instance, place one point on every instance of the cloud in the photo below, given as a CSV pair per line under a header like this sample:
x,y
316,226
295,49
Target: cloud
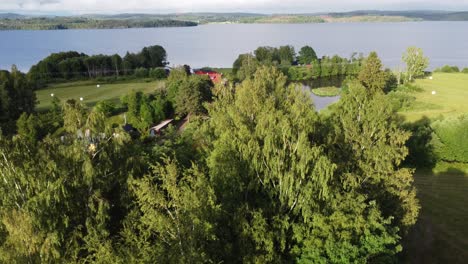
x,y
164,6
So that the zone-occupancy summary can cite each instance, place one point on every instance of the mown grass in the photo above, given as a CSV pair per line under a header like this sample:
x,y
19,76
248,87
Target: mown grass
x,y
326,91
91,93
451,96
441,233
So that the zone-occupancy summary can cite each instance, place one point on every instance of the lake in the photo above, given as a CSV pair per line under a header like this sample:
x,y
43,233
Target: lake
x,y
218,45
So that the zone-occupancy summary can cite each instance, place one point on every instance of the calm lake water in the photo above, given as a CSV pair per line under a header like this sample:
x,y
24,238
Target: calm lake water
x,y
219,45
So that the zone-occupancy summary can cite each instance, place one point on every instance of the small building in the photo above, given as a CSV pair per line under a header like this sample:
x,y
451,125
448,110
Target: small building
x,y
215,77
156,130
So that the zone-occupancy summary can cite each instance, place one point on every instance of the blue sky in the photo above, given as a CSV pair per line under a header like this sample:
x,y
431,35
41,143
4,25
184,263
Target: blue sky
x,y
261,6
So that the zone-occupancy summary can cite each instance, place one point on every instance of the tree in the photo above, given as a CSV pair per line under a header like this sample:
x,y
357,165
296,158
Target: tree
x,y
287,55
306,55
117,62
287,197
371,150
27,126
371,75
416,62
174,217
192,94
245,66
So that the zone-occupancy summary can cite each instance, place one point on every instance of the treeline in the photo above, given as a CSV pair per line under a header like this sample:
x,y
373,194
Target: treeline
x,y
16,97
304,66
58,23
451,69
73,65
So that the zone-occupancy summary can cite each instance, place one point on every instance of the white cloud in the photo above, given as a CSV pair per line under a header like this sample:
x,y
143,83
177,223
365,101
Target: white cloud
x,y
164,6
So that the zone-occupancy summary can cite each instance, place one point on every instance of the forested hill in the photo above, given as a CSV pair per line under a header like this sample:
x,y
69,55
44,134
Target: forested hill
x,y
12,22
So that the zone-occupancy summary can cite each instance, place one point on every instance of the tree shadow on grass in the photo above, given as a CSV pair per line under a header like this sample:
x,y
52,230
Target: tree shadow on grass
x,y
441,233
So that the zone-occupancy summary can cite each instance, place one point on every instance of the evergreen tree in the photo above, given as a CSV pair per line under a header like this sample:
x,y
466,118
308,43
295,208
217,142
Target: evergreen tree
x,y
372,75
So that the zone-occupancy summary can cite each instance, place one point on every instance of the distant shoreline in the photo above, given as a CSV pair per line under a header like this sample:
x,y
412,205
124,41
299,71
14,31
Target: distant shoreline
x,y
11,21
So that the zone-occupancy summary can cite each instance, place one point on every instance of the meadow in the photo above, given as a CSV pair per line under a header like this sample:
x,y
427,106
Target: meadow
x,y
92,94
450,98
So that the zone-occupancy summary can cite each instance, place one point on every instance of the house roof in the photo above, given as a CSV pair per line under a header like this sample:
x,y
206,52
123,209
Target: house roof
x,y
162,124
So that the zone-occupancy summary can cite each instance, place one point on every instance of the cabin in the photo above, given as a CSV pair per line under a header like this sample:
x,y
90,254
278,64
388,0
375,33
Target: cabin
x,y
157,130
215,77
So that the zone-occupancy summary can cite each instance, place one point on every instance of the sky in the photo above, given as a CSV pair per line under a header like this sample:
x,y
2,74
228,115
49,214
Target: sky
x,y
252,6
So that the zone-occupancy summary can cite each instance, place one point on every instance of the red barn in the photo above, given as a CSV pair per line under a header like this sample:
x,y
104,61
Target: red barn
x,y
215,77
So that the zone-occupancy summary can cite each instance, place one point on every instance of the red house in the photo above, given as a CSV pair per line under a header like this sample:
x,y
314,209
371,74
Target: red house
x,y
215,77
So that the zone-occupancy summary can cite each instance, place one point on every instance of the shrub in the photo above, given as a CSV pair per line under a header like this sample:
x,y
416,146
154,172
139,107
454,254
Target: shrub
x,y
401,100
106,107
157,73
141,73
465,70
450,138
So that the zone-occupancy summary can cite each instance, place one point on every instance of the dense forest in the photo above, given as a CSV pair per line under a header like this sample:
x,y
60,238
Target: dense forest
x,y
73,65
52,23
249,173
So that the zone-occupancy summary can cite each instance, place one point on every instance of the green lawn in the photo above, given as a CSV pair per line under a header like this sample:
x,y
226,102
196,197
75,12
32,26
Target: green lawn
x,y
441,234
90,93
451,96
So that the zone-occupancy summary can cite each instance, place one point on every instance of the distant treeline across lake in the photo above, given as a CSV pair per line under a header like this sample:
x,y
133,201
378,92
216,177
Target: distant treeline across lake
x,y
219,45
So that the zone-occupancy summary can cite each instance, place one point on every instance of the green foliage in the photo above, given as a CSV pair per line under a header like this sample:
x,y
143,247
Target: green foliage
x,y
372,75
421,150
261,177
373,147
27,126
107,107
448,69
74,65
173,220
157,73
62,23
294,192
449,139
17,96
191,95
144,111
306,55
141,73
465,70
416,63
39,219
245,66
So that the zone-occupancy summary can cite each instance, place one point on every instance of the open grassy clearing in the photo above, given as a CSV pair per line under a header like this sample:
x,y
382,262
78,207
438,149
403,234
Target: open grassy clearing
x,y
451,96
91,93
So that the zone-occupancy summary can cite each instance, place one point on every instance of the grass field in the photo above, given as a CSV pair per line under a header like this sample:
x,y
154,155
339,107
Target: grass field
x,y
441,234
451,96
90,93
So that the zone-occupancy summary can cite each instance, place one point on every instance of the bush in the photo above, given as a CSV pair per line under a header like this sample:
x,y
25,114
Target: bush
x,y
401,100
106,107
141,73
450,139
465,70
157,73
